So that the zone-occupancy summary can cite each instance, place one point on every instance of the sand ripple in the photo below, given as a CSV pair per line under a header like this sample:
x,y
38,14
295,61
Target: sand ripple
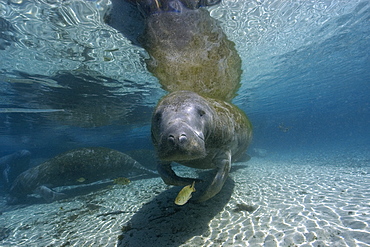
x,y
266,202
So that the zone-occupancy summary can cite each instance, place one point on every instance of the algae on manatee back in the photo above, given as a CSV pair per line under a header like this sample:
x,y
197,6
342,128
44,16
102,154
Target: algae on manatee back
x,y
189,51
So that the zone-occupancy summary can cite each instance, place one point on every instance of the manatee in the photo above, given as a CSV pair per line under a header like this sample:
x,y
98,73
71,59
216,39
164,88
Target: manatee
x,y
188,49
195,125
198,132
12,165
92,164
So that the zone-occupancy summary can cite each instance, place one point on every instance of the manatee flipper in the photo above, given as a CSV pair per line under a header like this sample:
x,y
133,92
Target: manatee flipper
x,y
48,194
170,177
223,163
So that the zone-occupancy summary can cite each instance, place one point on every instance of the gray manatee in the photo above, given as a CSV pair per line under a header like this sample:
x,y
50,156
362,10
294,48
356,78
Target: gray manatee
x,y
12,165
195,125
91,164
198,132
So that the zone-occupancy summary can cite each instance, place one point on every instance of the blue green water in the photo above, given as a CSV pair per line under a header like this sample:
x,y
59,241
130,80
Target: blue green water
x,y
69,80
306,67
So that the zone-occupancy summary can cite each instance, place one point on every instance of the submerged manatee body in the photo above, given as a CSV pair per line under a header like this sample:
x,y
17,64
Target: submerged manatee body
x,y
91,164
195,125
189,51
201,133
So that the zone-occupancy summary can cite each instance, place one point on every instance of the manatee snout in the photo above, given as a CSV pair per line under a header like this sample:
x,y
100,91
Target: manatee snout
x,y
181,142
178,135
24,153
177,139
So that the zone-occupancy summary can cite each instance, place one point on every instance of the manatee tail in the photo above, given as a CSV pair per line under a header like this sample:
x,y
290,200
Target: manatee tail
x,y
46,193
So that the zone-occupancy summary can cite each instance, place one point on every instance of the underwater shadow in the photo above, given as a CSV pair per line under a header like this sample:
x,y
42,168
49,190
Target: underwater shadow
x,y
164,223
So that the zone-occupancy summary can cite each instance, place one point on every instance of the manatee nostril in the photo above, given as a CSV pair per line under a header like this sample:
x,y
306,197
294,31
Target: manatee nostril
x,y
176,139
171,138
183,138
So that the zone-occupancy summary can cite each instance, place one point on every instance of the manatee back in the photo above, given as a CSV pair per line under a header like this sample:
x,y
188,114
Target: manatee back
x,y
232,128
189,51
91,164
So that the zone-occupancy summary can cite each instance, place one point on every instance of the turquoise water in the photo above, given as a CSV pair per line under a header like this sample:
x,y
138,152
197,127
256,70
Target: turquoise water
x,y
69,80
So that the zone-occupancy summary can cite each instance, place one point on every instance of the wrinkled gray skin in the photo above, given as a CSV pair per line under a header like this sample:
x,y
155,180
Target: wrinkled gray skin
x,y
92,164
201,133
12,165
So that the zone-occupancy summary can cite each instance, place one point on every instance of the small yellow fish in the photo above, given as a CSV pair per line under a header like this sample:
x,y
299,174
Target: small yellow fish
x,y
81,180
185,194
121,181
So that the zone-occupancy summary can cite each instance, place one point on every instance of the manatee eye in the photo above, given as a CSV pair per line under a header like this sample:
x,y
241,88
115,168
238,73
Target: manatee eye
x,y
157,117
201,113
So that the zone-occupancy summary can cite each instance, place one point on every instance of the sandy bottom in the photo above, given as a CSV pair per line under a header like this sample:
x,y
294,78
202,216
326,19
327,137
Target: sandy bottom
x,y
277,200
